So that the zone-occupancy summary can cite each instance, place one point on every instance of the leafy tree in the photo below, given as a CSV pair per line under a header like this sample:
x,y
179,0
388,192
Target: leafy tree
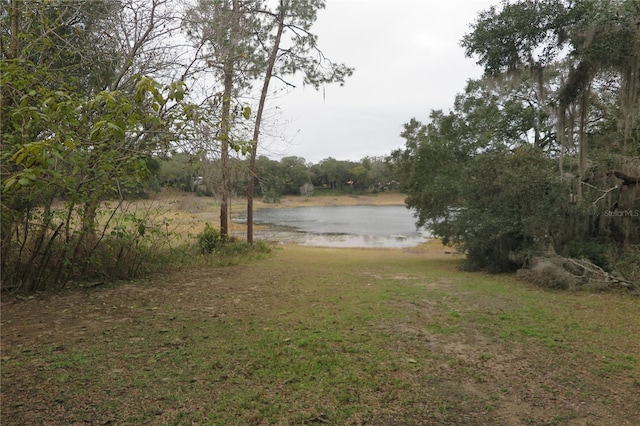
x,y
332,173
294,174
67,135
301,54
268,175
223,31
493,203
556,94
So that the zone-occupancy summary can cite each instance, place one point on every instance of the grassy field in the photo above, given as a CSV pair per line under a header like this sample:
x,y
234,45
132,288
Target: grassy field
x,y
322,336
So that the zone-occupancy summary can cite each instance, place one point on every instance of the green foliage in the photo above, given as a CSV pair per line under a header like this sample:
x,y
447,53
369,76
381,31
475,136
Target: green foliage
x,y
271,197
526,160
228,252
507,37
234,249
496,204
512,205
127,245
210,239
69,144
594,251
178,171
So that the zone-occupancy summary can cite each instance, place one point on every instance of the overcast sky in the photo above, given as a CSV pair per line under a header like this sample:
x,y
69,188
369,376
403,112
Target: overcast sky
x,y
408,61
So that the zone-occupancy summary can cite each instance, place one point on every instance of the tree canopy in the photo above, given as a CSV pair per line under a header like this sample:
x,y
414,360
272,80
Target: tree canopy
x,y
542,152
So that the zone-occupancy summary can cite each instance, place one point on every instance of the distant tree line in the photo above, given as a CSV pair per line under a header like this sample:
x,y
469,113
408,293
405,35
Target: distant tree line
x,y
274,178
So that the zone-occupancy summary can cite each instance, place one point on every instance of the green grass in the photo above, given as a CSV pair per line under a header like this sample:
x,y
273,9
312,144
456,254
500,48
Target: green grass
x,y
322,335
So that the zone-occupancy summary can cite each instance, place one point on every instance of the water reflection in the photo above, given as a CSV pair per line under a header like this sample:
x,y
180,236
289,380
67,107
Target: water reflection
x,y
341,226
350,240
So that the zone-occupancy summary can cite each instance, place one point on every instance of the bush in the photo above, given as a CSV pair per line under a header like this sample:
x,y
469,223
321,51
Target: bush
x,y
497,206
271,197
209,239
49,258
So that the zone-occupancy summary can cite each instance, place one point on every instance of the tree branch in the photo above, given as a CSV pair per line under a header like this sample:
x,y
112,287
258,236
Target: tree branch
x,y
604,194
627,179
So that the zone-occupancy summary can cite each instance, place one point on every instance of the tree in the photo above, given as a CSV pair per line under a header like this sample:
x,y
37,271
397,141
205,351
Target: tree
x,y
67,134
531,34
555,94
224,31
491,201
294,174
332,173
302,54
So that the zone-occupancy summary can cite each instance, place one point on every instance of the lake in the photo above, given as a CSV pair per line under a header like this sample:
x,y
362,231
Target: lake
x,y
340,226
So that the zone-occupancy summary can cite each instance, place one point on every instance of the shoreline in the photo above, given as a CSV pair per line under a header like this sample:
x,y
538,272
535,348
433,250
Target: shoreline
x,y
380,199
192,212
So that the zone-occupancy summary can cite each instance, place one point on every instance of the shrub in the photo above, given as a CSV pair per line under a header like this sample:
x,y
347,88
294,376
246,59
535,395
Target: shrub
x,y
271,196
209,239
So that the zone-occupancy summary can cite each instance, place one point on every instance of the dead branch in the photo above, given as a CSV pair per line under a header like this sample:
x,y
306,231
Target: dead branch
x,y
604,194
568,273
627,179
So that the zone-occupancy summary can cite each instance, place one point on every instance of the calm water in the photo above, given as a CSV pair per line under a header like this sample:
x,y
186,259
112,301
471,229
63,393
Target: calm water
x,y
341,226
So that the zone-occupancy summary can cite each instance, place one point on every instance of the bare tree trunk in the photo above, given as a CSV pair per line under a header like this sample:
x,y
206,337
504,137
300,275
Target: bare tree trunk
x,y
225,126
224,149
538,71
256,130
582,138
15,27
560,130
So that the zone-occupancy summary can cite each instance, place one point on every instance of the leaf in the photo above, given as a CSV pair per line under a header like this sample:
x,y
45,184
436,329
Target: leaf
x,y
9,183
20,156
97,127
118,131
246,113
